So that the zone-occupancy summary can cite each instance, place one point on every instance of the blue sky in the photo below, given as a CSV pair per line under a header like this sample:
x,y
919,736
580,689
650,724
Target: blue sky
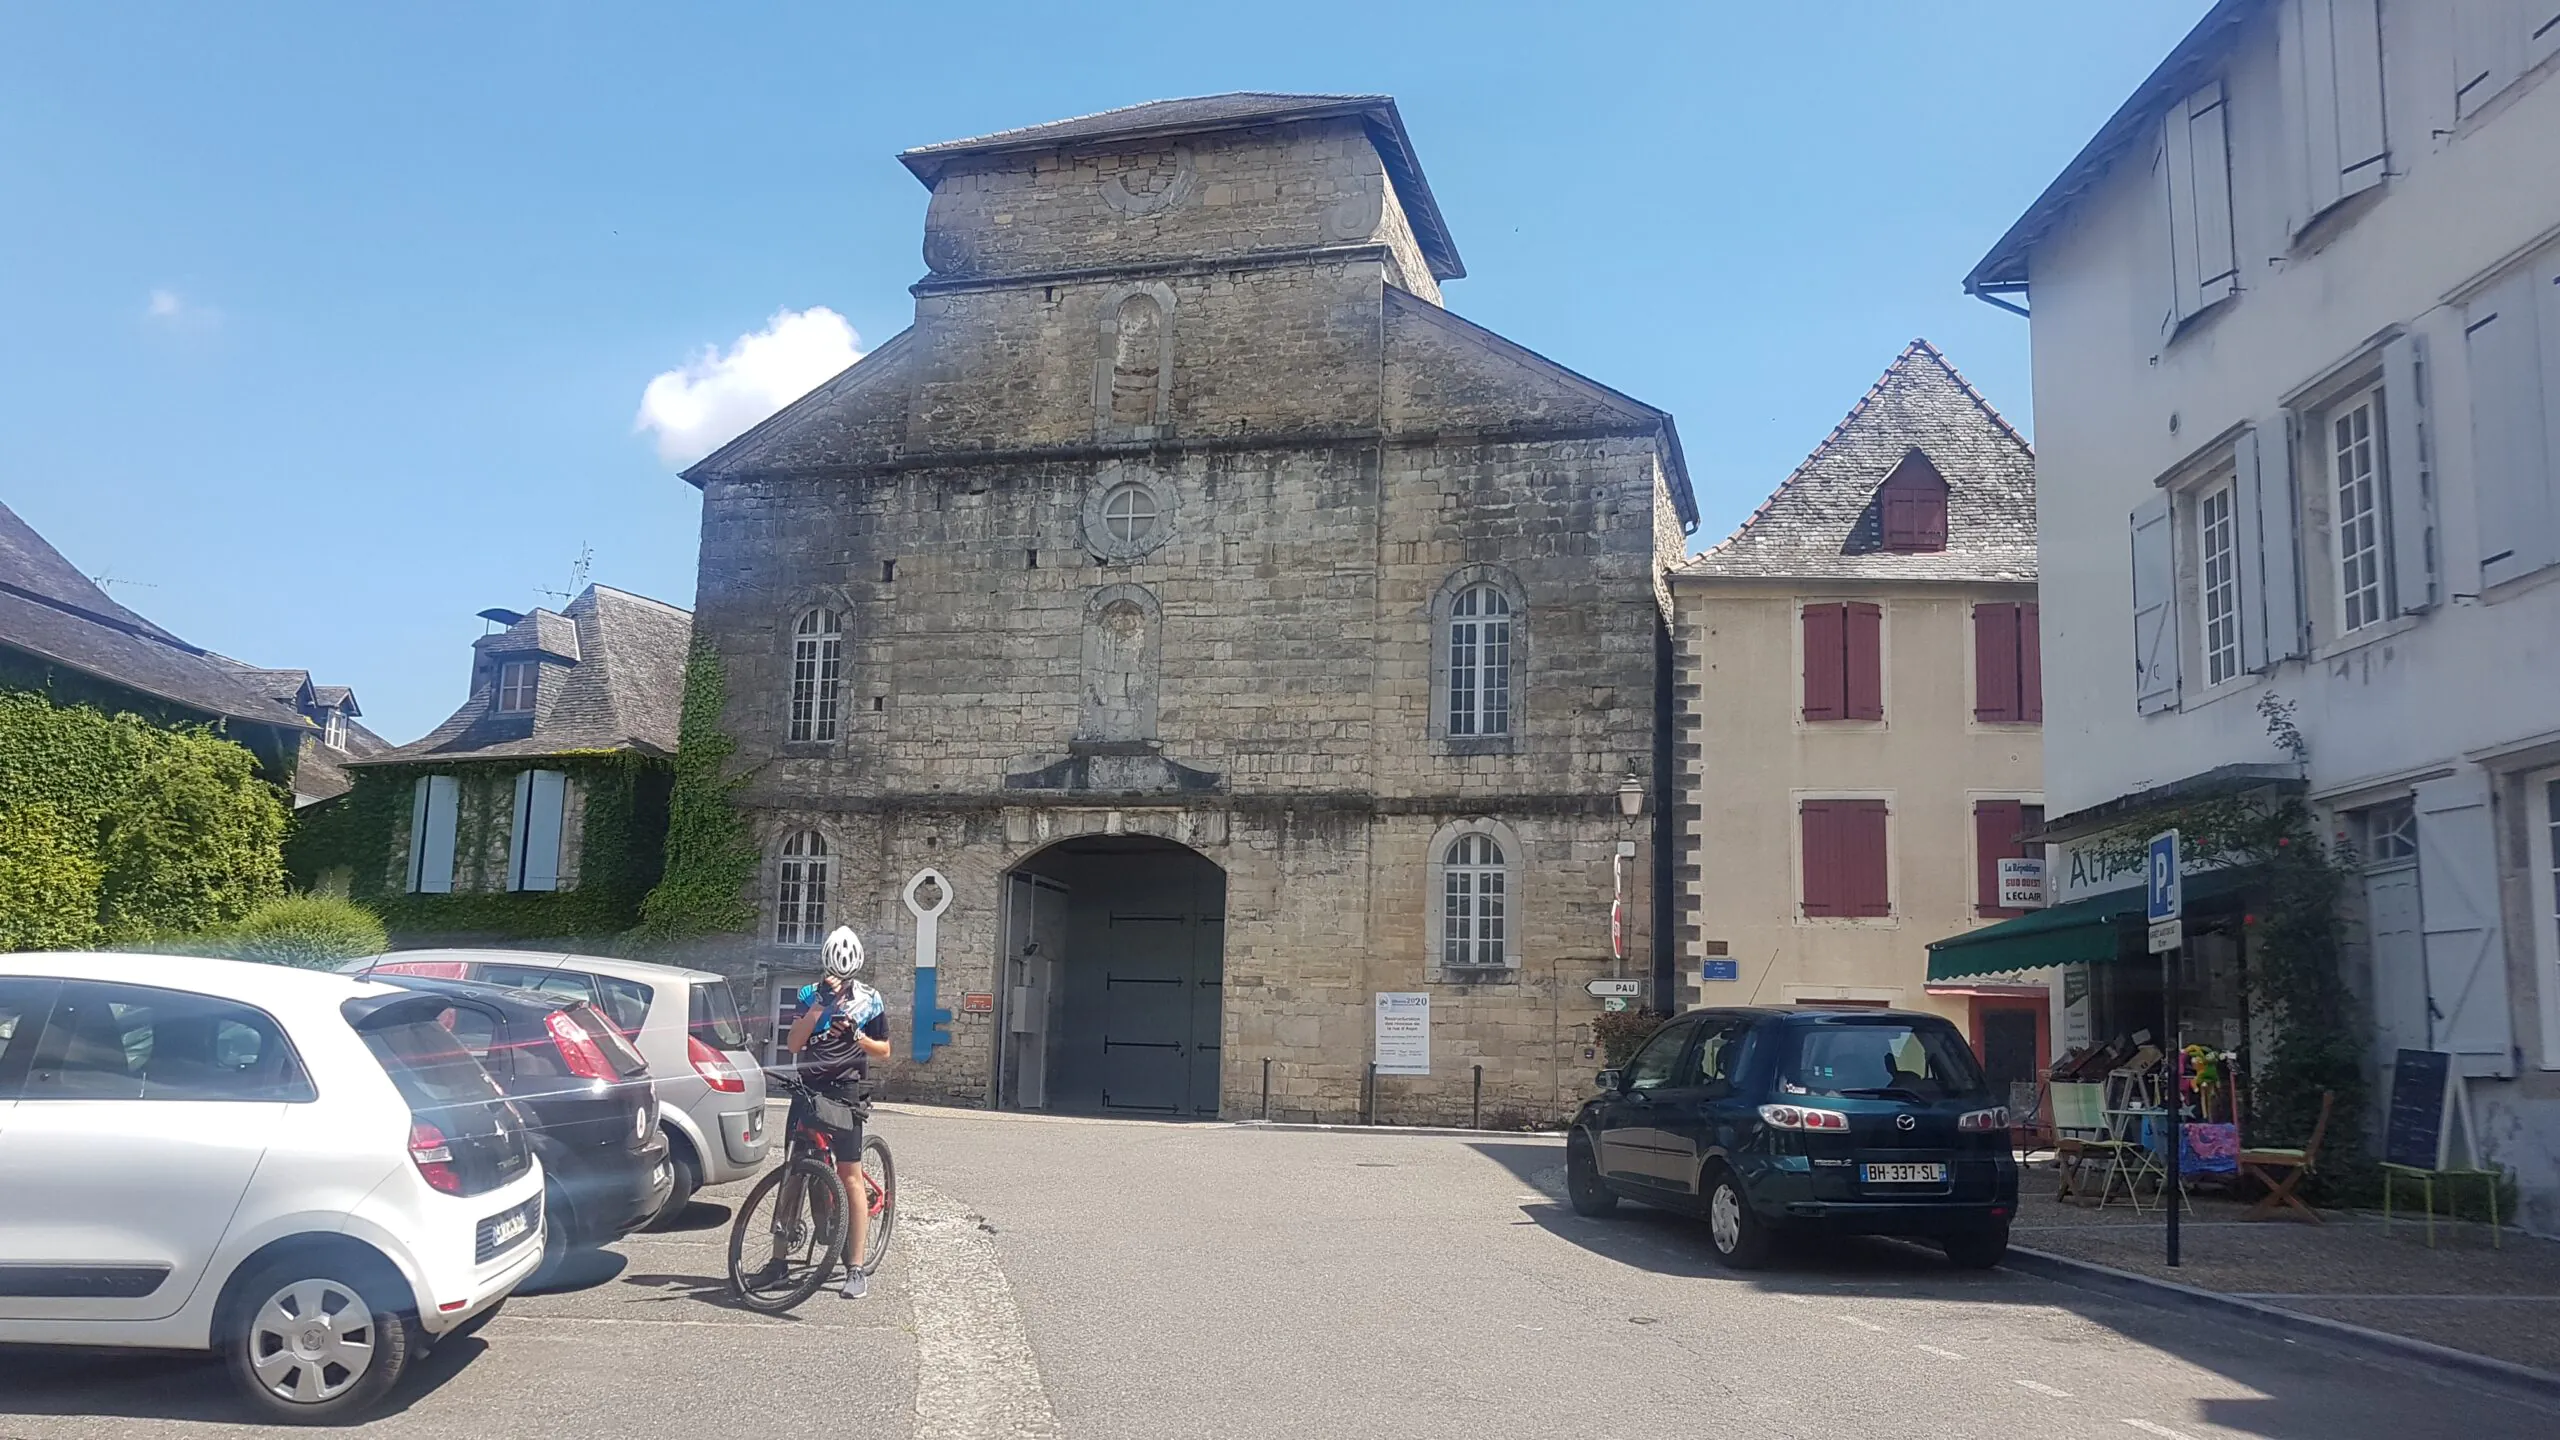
x,y
323,327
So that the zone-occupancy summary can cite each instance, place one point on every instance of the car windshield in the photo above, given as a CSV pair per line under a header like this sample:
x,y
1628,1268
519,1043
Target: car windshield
x,y
429,1065
715,1019
1881,1061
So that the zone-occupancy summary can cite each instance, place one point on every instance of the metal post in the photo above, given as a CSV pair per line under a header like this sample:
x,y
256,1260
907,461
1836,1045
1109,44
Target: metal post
x,y
1475,1120
1266,1087
1369,1099
2177,1062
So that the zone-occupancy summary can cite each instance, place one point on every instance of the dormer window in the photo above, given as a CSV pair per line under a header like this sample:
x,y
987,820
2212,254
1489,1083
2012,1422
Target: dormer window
x,y
333,727
1914,501
515,686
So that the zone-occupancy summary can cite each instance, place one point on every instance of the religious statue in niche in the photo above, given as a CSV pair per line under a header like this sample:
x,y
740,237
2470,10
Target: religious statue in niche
x,y
1137,361
1122,640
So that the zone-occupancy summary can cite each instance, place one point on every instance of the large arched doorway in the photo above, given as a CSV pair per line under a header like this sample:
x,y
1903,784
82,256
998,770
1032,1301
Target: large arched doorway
x,y
1115,964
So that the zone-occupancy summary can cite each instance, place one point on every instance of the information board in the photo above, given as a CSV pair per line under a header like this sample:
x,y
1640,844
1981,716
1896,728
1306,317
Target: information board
x,y
2414,1133
1404,1032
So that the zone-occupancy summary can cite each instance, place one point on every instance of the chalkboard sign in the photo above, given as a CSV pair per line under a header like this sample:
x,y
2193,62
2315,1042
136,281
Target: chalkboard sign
x,y
2415,1136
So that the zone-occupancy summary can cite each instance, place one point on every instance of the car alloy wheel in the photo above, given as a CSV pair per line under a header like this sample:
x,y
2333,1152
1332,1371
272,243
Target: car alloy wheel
x,y
1724,1219
312,1341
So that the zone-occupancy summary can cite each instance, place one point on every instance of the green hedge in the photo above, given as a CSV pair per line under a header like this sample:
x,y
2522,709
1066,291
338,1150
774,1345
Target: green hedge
x,y
114,830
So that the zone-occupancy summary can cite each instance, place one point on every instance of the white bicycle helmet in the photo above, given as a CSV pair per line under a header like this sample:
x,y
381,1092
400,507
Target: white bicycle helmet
x,y
843,952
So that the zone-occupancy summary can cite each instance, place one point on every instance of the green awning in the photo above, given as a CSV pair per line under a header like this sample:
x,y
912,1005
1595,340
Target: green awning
x,y
2088,931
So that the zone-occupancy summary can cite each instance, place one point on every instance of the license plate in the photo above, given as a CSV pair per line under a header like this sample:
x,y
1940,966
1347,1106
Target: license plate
x,y
1931,1174
509,1228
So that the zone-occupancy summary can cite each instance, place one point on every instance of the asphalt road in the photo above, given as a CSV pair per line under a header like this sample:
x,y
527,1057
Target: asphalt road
x,y
1093,1279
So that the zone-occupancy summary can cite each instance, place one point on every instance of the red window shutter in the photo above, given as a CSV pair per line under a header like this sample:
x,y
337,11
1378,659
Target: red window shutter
x,y
2030,665
1996,827
1995,662
1901,520
1858,834
1823,675
1821,860
1929,524
1863,627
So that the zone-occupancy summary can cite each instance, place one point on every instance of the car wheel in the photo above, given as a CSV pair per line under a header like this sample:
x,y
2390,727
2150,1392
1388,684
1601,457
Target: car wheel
x,y
1977,1249
557,1224
313,1348
687,1179
1583,1187
1740,1238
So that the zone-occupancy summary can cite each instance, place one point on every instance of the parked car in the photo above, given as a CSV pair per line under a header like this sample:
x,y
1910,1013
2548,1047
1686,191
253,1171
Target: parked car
x,y
586,1095
299,1171
1769,1121
685,1024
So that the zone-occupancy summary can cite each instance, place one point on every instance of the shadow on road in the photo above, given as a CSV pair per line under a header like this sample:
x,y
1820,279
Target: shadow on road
x,y
579,1270
175,1385
696,1215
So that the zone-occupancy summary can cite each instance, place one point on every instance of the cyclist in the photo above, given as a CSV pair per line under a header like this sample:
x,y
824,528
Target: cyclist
x,y
843,1025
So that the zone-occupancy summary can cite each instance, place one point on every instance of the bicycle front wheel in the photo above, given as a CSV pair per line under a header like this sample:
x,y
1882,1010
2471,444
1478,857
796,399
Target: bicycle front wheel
x,y
881,1174
788,1235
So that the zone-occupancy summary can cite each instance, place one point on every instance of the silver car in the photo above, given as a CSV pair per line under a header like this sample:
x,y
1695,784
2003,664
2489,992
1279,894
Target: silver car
x,y
686,1025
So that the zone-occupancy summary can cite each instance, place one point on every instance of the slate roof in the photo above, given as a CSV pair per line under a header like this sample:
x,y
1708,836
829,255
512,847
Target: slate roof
x,y
321,772
49,609
1823,523
1232,111
621,692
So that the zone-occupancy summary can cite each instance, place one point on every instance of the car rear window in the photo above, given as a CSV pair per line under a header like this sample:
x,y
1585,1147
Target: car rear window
x,y
1881,1061
429,1065
714,1017
624,1002
618,1052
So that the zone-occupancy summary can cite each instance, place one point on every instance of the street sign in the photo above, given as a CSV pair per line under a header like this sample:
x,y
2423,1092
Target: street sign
x,y
1404,1033
2167,894
2022,884
1614,1004
2165,936
1623,989
1722,970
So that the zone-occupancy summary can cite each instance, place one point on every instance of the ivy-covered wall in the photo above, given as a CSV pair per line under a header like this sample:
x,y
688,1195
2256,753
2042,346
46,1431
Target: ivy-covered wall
x,y
617,812
276,747
115,830
711,856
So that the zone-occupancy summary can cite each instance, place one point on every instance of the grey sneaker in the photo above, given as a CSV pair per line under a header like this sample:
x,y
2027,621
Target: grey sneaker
x,y
856,1285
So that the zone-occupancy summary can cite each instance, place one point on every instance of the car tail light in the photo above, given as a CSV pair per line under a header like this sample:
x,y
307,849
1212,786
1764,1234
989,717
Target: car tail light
x,y
434,1158
578,1049
713,1067
1995,1118
1798,1117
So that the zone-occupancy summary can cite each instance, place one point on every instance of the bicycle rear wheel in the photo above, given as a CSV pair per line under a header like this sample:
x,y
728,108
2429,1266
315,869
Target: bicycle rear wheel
x,y
788,1235
882,1171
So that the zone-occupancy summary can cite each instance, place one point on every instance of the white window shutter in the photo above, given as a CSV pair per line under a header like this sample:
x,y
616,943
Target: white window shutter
x,y
516,830
2465,944
2279,542
2509,431
2178,186
2408,475
546,799
2363,150
2155,617
2249,547
431,830
2309,73
2487,52
2217,262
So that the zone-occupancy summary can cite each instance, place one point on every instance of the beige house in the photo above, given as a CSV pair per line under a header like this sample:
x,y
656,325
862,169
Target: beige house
x,y
1860,715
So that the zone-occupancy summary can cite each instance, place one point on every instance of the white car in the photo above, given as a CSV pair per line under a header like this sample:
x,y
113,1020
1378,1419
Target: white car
x,y
298,1170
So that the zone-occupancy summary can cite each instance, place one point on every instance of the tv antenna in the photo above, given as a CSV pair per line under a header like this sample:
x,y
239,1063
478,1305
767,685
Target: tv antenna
x,y
578,570
104,581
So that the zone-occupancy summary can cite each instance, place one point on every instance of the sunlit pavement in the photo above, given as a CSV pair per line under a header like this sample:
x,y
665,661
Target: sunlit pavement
x,y
1111,1279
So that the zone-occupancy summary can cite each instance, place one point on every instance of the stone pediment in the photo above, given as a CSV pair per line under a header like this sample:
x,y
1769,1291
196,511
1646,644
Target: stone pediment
x,y
1446,373
859,416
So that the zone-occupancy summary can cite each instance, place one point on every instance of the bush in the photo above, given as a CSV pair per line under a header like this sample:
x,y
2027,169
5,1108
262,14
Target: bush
x,y
1620,1033
48,881
311,932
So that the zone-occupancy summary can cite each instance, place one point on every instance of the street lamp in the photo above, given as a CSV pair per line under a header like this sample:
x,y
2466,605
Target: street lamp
x,y
1630,797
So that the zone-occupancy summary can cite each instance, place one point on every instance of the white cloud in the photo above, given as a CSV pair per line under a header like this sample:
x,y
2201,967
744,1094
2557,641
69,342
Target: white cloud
x,y
168,307
165,305
715,397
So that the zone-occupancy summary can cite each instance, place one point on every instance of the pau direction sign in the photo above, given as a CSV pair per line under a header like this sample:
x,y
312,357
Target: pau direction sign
x,y
2165,899
1615,989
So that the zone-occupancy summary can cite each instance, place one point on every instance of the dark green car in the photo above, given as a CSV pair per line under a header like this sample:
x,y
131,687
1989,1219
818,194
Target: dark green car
x,y
1767,1121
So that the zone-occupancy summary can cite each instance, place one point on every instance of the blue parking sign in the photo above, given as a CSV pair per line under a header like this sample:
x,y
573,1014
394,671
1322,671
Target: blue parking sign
x,y
2167,894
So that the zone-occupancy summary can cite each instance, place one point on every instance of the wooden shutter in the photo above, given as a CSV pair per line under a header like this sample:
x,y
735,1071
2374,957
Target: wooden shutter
x,y
2155,629
1996,827
2267,507
2465,944
534,844
1901,519
2031,664
1862,626
2332,69
2408,491
1825,675
1996,688
2508,440
1821,858
2202,253
1933,518
2248,551
432,811
2362,148
2488,52
1858,832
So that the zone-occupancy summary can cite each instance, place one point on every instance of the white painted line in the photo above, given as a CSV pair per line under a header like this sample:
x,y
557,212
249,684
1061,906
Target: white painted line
x,y
1861,1324
976,1376
2163,1431
1795,1299
2041,1388
1934,1350
514,1321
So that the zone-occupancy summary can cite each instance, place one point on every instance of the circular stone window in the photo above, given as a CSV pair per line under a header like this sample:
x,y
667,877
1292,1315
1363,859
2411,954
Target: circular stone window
x,y
1127,516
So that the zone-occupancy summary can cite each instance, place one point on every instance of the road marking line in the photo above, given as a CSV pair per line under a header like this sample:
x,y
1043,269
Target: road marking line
x,y
976,1375
514,1321
2163,1431
1795,1299
2041,1388
1861,1324
1934,1350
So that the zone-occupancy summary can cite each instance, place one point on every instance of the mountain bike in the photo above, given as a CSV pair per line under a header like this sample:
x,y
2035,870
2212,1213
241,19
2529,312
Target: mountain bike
x,y
790,1231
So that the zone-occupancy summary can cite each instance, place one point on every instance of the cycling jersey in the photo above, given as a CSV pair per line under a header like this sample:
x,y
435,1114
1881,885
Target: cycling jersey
x,y
831,1054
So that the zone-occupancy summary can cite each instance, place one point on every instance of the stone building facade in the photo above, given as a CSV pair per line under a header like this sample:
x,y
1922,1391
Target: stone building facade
x,y
1232,633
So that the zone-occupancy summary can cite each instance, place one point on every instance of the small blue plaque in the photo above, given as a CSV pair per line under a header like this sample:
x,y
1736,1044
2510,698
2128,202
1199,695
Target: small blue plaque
x,y
1723,970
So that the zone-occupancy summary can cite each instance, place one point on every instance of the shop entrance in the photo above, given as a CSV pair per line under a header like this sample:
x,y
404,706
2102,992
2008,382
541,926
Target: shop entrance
x,y
1115,963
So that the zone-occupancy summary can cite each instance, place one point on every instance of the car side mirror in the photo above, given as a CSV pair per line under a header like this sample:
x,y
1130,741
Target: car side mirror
x,y
1611,1080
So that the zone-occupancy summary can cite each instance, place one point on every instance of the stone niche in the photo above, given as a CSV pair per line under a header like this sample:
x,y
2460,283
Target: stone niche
x,y
1115,748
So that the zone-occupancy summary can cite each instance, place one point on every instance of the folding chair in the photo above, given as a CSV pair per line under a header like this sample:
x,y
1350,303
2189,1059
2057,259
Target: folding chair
x,y
2082,1140
2281,1169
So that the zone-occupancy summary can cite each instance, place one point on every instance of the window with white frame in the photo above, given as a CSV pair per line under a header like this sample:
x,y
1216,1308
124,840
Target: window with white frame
x,y
1480,662
333,727
2218,582
817,664
2390,833
1472,895
800,890
516,681
2353,431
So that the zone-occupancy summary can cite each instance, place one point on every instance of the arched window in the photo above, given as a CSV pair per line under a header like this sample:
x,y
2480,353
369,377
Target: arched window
x,y
1480,662
1473,889
800,891
817,661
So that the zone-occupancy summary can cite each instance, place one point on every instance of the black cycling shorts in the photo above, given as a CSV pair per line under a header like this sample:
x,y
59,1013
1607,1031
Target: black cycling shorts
x,y
845,1140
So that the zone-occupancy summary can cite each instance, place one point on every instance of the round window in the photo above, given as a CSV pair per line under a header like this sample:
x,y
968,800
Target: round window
x,y
1129,513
